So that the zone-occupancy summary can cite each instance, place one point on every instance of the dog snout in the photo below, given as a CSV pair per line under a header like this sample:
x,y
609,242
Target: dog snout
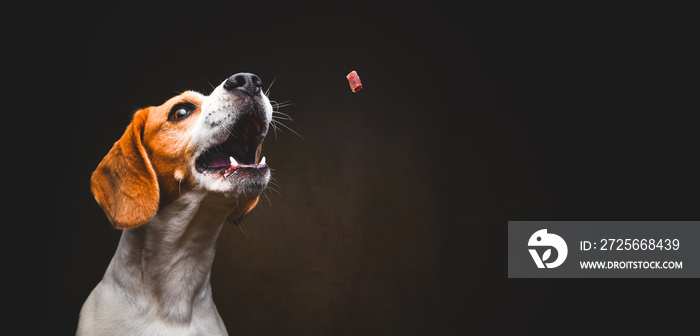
x,y
245,82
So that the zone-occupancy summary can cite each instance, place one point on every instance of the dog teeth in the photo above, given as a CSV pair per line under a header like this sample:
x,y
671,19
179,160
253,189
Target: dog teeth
x,y
233,161
262,161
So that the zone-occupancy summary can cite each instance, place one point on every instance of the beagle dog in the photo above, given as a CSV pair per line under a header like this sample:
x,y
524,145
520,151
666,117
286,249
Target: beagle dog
x,y
179,171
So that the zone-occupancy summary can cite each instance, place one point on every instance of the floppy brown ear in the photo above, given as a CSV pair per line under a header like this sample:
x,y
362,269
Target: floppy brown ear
x,y
125,183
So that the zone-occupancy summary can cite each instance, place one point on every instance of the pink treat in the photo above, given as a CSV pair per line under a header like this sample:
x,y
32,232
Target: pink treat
x,y
354,79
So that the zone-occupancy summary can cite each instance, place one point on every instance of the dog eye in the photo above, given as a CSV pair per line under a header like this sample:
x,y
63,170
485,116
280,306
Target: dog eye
x,y
180,111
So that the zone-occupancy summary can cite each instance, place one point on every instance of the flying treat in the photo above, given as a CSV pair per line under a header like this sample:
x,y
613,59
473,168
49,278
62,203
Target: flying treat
x,y
354,79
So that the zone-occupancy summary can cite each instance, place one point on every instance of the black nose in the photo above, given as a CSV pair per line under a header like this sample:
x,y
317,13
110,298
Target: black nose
x,y
244,81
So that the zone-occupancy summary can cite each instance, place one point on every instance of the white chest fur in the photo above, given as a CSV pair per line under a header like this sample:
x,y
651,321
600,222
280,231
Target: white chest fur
x,y
158,280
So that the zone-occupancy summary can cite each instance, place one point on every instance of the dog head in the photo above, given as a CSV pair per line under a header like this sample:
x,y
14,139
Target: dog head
x,y
191,142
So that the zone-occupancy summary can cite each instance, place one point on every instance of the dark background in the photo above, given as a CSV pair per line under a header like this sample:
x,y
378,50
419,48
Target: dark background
x,y
391,207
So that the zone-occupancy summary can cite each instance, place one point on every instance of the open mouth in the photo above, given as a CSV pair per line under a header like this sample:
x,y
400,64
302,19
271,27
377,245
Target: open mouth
x,y
241,150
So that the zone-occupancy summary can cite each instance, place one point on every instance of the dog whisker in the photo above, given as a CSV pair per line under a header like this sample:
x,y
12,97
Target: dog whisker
x,y
281,116
285,103
193,103
282,113
275,190
231,134
277,107
273,182
267,92
210,84
278,116
274,129
275,122
187,100
268,199
239,227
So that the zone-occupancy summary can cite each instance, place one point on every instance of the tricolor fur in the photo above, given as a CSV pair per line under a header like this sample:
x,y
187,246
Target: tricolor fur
x,y
178,172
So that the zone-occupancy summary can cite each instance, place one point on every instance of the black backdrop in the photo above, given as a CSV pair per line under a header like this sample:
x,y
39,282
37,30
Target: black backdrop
x,y
390,210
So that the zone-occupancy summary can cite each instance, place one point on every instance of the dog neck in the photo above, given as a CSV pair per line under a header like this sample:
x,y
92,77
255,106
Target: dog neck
x,y
165,264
